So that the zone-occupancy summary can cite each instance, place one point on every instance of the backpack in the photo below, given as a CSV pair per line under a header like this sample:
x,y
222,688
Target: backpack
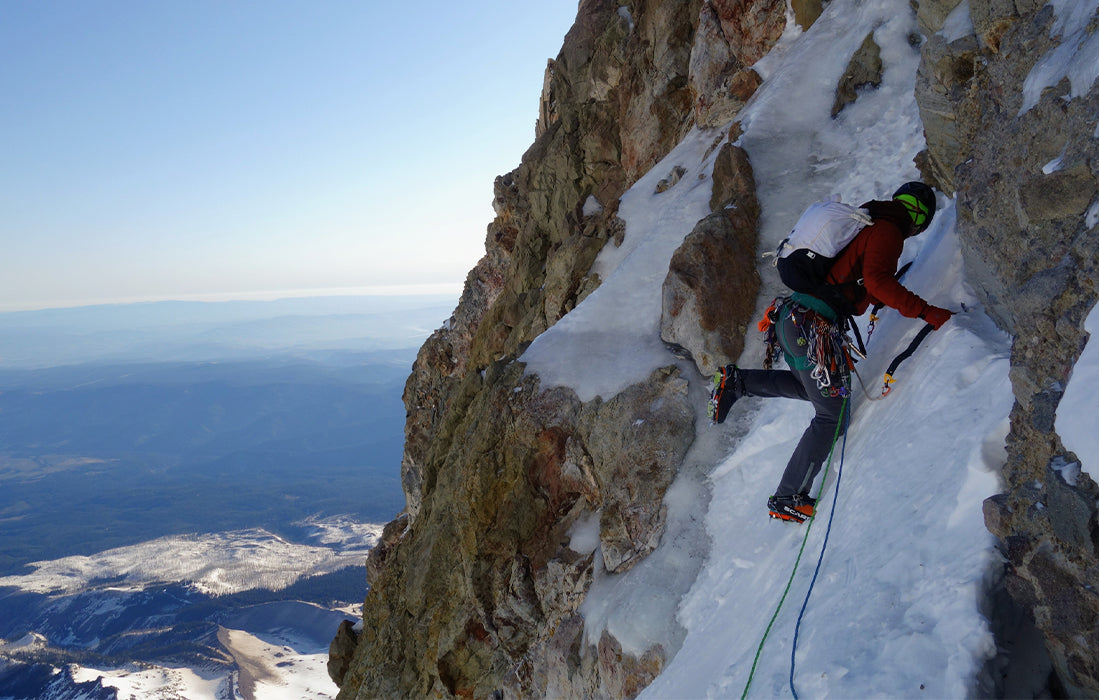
x,y
804,258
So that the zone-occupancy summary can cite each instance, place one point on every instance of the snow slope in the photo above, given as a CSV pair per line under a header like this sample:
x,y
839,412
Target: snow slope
x,y
270,668
279,648
215,563
896,608
141,681
1076,419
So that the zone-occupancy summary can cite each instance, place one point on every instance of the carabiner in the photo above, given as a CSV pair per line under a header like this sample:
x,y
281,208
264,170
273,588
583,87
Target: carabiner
x,y
888,380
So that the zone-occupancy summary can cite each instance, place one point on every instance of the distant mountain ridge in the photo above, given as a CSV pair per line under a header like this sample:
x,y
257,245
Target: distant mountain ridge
x,y
184,331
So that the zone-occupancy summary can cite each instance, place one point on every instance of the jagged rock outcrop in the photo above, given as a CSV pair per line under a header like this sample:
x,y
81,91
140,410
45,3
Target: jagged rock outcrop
x,y
730,37
475,589
489,568
864,70
614,102
341,651
1024,169
712,278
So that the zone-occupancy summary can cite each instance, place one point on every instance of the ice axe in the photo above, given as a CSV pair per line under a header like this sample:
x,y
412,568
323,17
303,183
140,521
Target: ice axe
x,y
904,355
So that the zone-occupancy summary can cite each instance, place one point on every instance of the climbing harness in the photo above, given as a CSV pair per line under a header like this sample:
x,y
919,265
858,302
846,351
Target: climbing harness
x,y
828,345
801,549
829,350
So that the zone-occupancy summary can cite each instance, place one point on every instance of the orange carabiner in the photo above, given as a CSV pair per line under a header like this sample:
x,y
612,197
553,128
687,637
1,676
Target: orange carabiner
x,y
888,380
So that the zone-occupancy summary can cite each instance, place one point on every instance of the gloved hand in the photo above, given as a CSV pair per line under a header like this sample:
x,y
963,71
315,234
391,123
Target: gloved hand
x,y
935,316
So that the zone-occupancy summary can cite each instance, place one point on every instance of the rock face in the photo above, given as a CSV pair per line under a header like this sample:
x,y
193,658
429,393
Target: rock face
x,y
486,573
864,70
475,588
712,277
341,651
614,102
730,37
1024,170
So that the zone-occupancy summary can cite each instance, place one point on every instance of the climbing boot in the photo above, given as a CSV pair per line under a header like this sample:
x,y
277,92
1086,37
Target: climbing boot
x,y
796,509
727,386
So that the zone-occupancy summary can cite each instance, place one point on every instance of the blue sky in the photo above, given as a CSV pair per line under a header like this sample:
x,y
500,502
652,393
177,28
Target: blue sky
x,y
201,149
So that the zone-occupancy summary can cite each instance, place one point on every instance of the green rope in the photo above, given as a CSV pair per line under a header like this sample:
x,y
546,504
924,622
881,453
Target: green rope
x,y
805,538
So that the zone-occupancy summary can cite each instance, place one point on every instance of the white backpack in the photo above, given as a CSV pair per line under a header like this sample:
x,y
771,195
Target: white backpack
x,y
825,228
805,257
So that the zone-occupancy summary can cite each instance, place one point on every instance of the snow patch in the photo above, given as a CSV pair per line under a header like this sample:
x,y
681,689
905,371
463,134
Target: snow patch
x,y
217,564
140,681
624,12
342,531
1077,57
1069,471
1054,165
591,206
31,641
269,667
1076,419
584,536
272,668
957,24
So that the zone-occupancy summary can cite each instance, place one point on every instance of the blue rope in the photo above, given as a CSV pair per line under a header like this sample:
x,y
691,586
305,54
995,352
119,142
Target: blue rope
x,y
801,549
825,542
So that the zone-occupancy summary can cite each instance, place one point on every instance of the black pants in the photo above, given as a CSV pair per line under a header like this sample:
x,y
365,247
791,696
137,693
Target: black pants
x,y
829,403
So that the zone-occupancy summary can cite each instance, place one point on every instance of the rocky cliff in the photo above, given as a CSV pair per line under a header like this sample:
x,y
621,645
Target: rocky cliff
x,y
476,587
1022,164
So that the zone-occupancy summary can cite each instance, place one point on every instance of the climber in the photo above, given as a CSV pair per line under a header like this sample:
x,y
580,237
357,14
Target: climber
x,y
810,333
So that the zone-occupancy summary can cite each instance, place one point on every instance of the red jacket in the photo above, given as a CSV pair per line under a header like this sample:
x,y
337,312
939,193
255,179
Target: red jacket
x,y
873,257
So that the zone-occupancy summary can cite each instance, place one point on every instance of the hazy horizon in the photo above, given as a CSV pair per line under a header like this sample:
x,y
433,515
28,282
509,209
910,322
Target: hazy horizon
x,y
385,291
188,330
173,150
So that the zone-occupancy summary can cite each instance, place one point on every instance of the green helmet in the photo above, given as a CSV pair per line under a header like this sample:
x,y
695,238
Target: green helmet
x,y
920,200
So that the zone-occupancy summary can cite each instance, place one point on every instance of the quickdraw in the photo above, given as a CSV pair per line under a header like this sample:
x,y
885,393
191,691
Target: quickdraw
x,y
879,306
887,380
871,326
830,350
